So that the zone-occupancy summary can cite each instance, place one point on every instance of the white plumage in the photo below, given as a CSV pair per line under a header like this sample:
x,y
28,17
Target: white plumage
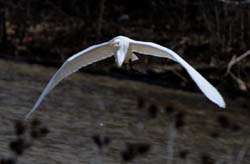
x,y
122,49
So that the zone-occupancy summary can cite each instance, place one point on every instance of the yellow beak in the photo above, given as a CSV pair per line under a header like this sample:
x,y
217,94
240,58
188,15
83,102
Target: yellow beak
x,y
114,44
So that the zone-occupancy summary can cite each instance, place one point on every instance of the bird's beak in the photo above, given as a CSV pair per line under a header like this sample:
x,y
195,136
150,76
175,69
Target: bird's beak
x,y
114,43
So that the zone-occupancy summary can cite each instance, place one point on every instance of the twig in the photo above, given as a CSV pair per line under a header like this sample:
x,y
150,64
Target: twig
x,y
171,143
241,154
237,157
242,85
179,75
235,60
234,2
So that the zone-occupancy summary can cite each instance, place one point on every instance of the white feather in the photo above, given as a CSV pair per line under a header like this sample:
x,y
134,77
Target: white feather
x,y
159,51
83,58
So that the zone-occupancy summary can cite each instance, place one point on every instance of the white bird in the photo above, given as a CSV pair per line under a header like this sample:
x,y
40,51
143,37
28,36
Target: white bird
x,y
122,49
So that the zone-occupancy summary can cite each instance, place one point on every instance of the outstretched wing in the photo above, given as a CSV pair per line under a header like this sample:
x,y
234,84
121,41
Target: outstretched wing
x,y
153,49
83,58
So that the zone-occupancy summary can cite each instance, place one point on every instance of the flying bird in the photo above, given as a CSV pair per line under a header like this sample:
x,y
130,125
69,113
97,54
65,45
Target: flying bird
x,y
123,48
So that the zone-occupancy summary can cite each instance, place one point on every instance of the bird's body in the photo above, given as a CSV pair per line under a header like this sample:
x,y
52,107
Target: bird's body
x,y
122,49
123,52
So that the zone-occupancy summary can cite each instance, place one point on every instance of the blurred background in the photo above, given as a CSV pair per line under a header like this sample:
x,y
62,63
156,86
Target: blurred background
x,y
36,37
206,33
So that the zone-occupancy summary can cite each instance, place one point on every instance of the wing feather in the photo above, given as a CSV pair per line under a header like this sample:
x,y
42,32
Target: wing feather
x,y
153,49
74,63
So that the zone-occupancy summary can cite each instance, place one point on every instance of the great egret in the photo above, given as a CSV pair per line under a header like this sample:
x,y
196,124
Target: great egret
x,y
122,49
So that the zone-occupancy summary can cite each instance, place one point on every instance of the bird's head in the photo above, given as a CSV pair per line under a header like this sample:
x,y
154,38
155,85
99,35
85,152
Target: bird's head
x,y
115,43
120,47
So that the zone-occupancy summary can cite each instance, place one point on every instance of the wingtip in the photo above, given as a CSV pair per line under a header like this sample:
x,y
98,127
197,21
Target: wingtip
x,y
217,99
222,104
